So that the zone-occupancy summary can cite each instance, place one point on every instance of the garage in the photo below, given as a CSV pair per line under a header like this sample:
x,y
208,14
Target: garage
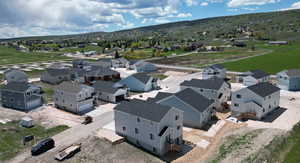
x,y
120,98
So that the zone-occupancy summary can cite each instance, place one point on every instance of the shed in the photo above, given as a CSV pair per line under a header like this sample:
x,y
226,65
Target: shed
x,y
27,122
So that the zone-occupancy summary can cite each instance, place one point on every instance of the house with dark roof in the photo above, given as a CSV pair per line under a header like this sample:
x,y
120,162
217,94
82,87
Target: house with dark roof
x,y
197,109
21,96
254,77
15,75
214,88
120,63
212,71
107,91
103,62
257,100
96,73
153,127
74,97
56,75
80,63
142,66
289,80
140,82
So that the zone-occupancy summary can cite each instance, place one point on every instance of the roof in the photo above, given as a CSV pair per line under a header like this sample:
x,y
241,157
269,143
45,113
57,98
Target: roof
x,y
293,72
263,89
217,66
147,110
143,77
160,96
194,99
70,87
58,72
257,74
212,83
101,71
104,86
17,86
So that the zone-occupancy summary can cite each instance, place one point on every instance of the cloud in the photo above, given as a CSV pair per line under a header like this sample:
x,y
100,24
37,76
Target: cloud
x,y
239,3
204,4
295,5
191,2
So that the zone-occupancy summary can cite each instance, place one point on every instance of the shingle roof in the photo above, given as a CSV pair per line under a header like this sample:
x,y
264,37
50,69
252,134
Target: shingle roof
x,y
104,86
143,77
147,110
263,89
213,83
293,72
194,99
70,87
58,72
17,86
257,74
160,96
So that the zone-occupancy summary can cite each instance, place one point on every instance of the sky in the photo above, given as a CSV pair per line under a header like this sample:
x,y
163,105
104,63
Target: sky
x,y
19,18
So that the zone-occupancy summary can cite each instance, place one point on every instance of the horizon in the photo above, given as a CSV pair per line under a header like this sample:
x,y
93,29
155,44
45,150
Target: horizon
x,y
76,17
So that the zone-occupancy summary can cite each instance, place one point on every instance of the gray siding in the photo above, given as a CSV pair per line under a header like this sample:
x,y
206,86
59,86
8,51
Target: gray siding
x,y
288,83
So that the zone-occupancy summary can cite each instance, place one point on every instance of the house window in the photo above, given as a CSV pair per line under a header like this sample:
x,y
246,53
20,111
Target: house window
x,y
264,110
124,128
154,149
269,106
61,93
151,136
176,117
238,96
178,127
236,105
138,119
136,130
269,97
201,90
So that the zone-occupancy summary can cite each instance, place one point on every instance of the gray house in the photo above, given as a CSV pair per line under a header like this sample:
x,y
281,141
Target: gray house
x,y
197,109
103,62
56,75
142,66
214,88
216,70
254,77
81,63
15,75
74,97
120,63
140,82
156,128
257,100
21,96
106,91
289,80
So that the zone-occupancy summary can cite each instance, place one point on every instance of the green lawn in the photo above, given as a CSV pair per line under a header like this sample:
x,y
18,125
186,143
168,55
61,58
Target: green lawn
x,y
12,134
293,156
85,49
282,57
12,56
148,53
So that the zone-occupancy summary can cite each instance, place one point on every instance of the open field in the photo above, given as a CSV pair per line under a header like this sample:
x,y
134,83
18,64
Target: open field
x,y
148,53
85,49
12,134
282,57
203,58
12,56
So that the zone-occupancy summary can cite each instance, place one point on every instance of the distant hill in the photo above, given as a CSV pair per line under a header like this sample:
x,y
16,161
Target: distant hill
x,y
271,25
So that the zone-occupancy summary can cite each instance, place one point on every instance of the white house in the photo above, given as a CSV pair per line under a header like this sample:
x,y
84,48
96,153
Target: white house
x,y
254,77
139,82
216,70
289,80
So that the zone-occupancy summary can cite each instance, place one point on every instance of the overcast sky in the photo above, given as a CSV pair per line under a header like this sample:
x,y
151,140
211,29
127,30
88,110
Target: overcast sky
x,y
55,17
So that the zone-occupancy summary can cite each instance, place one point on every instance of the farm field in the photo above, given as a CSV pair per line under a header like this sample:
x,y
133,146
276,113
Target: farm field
x,y
282,57
12,56
12,134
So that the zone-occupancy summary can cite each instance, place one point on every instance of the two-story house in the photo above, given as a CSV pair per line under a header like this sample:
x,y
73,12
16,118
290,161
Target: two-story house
x,y
289,80
213,71
140,82
254,77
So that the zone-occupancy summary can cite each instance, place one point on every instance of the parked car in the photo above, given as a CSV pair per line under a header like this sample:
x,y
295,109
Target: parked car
x,y
42,146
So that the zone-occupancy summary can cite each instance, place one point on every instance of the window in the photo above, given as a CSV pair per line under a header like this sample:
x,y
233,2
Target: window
x,y
124,128
238,96
264,110
178,127
236,105
138,119
176,117
151,136
269,106
201,90
269,97
154,149
136,130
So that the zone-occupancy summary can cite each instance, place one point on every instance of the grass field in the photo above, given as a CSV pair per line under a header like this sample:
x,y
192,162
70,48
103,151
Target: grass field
x,y
12,134
148,53
85,49
282,57
12,56
293,155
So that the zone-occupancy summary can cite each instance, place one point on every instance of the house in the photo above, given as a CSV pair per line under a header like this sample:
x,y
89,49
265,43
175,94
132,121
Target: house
x,y
197,109
74,97
154,127
81,63
255,101
255,76
289,80
215,88
99,73
216,70
106,91
140,82
15,75
142,66
120,63
56,75
21,96
103,62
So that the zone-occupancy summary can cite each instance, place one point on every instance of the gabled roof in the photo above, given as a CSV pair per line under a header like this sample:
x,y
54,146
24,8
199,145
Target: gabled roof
x,y
258,74
143,77
70,87
104,86
194,99
160,96
58,72
147,110
17,86
263,89
212,83
100,71
293,72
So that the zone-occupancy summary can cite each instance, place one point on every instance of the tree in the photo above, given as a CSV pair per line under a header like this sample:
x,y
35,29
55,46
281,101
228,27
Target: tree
x,y
117,54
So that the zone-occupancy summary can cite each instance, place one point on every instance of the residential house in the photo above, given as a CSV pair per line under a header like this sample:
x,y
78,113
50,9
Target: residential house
x,y
56,75
154,127
81,63
74,97
140,82
254,77
142,66
213,71
120,63
103,62
257,100
21,96
15,75
214,88
99,73
106,91
197,109
289,80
